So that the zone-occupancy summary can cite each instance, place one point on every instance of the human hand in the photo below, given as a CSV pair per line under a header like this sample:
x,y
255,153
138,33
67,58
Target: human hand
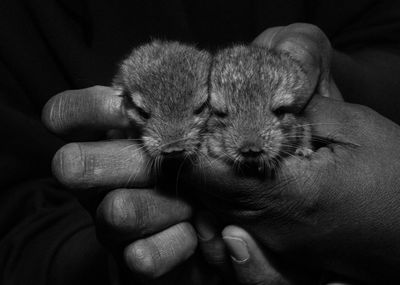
x,y
133,223
304,209
311,47
147,232
85,114
308,45
338,208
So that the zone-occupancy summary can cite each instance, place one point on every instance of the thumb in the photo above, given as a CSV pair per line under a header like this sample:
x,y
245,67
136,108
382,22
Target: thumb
x,y
308,45
254,266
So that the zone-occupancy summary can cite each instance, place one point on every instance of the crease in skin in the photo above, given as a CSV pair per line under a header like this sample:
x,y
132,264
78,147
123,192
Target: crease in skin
x,y
59,105
95,106
89,166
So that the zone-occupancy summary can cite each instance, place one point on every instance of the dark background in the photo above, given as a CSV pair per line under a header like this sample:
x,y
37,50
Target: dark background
x,y
50,46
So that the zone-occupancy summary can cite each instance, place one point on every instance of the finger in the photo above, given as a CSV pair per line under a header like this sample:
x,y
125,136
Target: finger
x,y
309,45
305,42
101,165
267,37
250,264
158,254
125,214
211,243
300,40
92,109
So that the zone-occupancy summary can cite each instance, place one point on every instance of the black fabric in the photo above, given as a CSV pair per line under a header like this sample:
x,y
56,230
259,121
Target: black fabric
x,y
50,46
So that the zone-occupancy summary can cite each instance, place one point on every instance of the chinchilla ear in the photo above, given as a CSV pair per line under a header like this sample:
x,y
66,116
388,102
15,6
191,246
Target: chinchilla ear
x,y
135,107
137,99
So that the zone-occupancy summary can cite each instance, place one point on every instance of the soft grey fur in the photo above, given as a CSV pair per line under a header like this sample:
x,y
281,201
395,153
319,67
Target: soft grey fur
x,y
166,82
256,95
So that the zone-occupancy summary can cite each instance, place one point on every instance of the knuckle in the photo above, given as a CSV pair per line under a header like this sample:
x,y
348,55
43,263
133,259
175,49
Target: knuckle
x,y
68,165
145,209
140,257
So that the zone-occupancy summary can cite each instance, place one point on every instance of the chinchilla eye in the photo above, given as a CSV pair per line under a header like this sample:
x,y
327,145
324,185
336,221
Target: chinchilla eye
x,y
133,102
288,109
200,109
220,113
144,114
280,111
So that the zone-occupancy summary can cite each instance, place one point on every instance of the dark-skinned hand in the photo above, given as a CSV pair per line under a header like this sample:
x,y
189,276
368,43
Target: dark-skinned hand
x,y
146,230
337,209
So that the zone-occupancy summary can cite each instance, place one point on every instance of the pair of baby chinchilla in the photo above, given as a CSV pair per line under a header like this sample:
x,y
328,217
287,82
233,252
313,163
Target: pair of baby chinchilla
x,y
241,105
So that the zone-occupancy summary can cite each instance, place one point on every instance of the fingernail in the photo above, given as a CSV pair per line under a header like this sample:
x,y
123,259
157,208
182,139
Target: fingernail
x,y
237,248
205,230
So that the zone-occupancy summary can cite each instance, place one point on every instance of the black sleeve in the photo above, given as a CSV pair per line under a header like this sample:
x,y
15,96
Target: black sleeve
x,y
366,64
46,237
38,219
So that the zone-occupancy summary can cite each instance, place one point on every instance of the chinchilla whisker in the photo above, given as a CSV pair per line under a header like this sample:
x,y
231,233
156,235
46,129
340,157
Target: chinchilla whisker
x,y
129,147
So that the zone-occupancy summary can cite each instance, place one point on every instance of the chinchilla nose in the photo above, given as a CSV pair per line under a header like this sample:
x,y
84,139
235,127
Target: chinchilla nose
x,y
251,150
173,151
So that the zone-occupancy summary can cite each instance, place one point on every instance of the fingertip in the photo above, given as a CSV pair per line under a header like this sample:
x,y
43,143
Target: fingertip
x,y
249,261
237,242
48,115
92,109
115,212
67,165
266,38
206,228
234,231
138,257
159,253
210,241
238,249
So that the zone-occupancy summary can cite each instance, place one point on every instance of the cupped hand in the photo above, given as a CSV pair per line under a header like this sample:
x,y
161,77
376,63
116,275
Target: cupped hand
x,y
339,207
336,210
148,232
149,228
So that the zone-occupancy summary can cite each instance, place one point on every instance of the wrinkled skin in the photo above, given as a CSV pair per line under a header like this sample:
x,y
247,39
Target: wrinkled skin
x,y
329,206
336,209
